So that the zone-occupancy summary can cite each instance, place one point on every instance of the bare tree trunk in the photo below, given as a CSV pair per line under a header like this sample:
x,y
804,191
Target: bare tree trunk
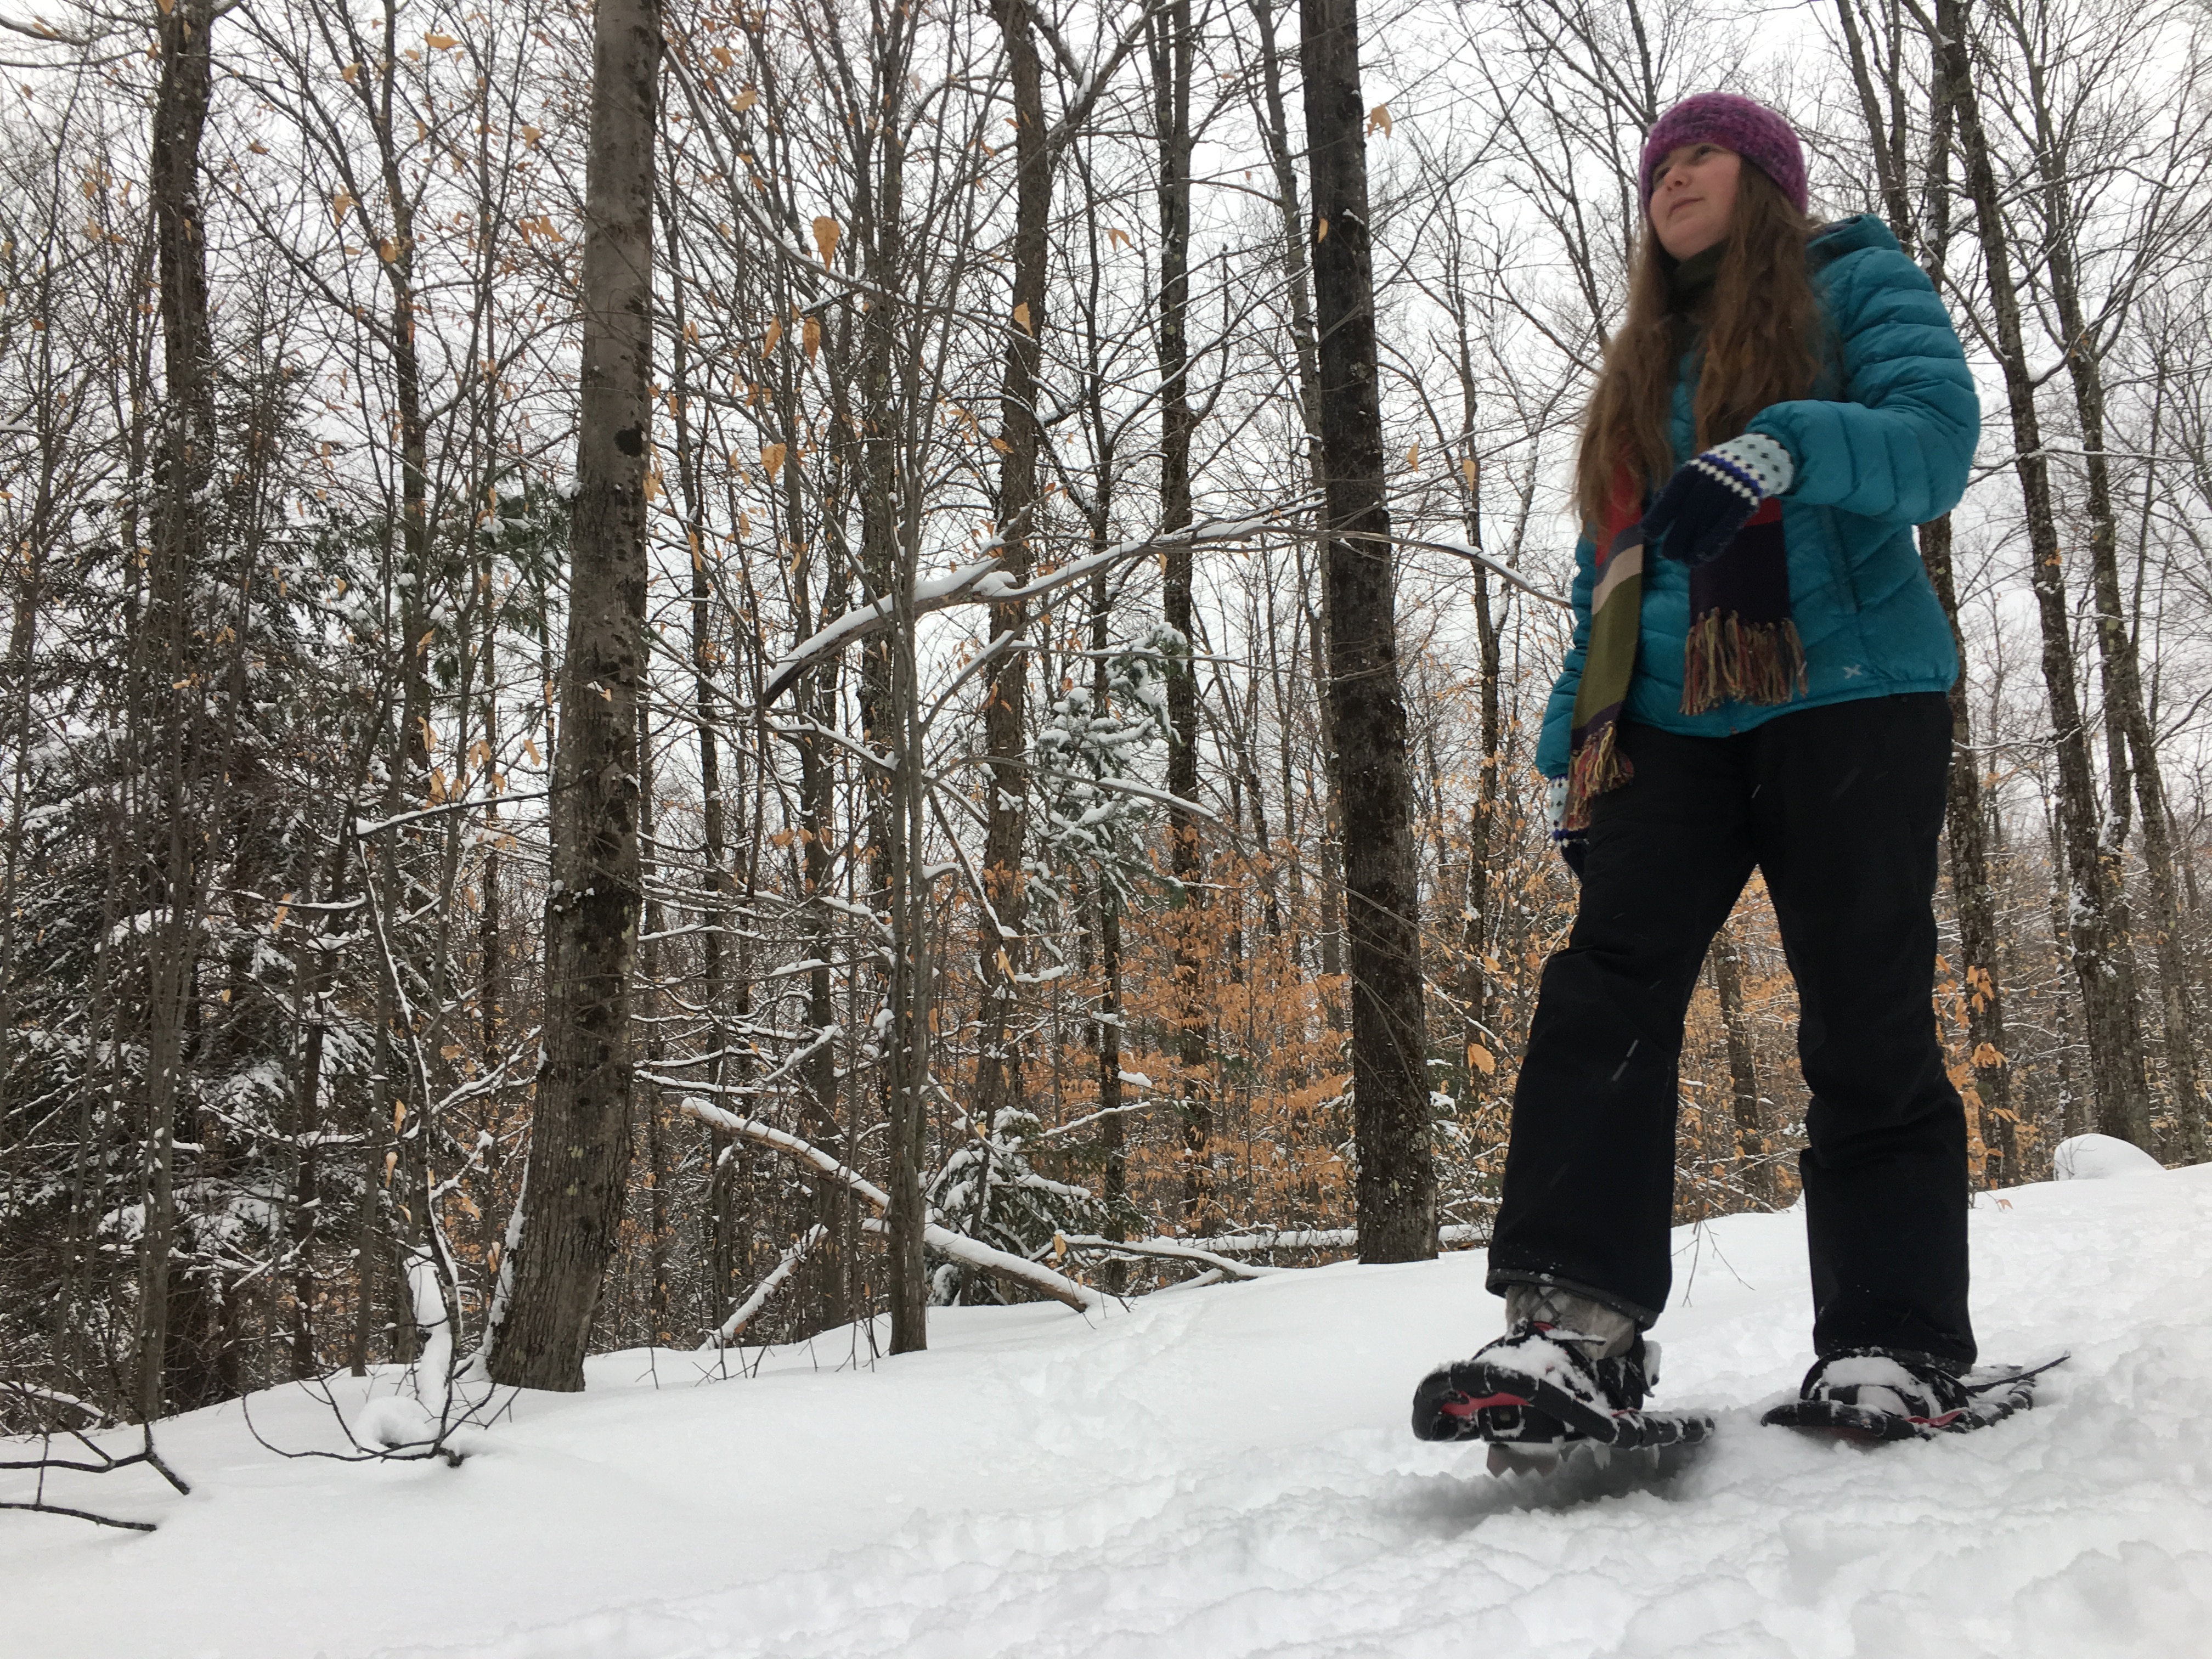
x,y
579,1139
183,466
2129,733
1396,1181
2098,926
1276,125
889,688
1171,49
1760,1177
1000,944
1964,825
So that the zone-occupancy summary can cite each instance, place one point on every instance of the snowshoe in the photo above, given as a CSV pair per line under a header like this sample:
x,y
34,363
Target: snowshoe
x,y
1870,1395
1534,1394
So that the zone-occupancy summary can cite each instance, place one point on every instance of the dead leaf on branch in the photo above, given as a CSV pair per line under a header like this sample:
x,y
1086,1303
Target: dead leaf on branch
x,y
1379,116
826,233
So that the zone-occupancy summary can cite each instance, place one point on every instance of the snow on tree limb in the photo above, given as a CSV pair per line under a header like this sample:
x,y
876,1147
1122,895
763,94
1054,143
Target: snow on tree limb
x,y
734,1327
943,1240
984,582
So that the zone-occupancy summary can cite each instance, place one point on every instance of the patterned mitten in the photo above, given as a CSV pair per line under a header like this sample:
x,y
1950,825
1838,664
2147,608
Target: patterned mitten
x,y
1713,495
1573,844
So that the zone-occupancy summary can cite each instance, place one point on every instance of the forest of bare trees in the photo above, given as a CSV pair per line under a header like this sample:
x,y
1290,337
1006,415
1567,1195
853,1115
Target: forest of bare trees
x,y
686,675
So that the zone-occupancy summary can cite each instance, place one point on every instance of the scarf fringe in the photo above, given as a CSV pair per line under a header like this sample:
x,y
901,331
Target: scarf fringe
x,y
1598,766
1726,660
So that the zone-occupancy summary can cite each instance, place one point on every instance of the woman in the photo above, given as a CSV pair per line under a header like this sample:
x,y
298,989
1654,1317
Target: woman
x,y
1758,678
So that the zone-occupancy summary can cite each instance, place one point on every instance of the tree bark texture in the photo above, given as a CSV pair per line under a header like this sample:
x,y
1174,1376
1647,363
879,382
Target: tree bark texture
x,y
183,466
1396,1193
1170,47
999,952
580,1140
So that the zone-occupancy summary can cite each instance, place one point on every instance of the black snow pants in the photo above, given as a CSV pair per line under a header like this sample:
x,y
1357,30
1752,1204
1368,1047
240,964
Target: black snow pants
x,y
1840,806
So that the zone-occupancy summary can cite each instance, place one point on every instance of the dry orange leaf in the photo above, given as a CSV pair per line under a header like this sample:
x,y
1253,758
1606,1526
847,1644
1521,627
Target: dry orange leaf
x,y
825,238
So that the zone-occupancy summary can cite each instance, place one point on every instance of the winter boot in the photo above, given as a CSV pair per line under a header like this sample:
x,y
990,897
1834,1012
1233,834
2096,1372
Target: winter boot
x,y
1873,1394
1567,1369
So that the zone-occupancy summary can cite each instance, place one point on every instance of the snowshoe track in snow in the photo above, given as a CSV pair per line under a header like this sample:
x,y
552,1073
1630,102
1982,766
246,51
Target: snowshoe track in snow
x,y
1221,1472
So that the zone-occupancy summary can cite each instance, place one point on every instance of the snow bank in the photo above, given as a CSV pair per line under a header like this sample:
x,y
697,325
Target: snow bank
x,y
2099,1157
1222,1472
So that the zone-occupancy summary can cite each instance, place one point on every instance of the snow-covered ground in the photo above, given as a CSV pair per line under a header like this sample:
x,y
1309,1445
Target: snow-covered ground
x,y
1221,1471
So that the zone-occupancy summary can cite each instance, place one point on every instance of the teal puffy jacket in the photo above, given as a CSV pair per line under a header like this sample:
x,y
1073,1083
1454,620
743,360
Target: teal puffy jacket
x,y
1887,446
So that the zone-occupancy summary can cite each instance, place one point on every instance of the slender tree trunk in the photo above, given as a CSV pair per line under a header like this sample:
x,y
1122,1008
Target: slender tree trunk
x,y
2098,920
2129,733
1171,48
183,468
1396,1181
889,693
1965,819
713,853
579,1139
1000,944
1761,1177
1276,125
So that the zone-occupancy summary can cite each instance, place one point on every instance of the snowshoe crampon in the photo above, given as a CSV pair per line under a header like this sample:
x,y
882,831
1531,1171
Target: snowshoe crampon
x,y
1852,1410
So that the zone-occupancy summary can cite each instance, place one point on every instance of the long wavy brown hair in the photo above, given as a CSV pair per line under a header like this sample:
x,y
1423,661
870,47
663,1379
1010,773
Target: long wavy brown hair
x,y
1763,345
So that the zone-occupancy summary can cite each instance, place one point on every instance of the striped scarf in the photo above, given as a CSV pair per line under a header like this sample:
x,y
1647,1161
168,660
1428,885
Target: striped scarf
x,y
1742,645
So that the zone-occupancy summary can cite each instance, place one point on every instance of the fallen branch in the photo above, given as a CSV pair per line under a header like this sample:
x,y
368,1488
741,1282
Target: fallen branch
x,y
1172,1250
734,1327
108,1464
1316,1238
943,1240
985,1259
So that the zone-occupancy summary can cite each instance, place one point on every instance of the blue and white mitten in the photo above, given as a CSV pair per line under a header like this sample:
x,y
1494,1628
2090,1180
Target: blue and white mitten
x,y
1573,844
1713,495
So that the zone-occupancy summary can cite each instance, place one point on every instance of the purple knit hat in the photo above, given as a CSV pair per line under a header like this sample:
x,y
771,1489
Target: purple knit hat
x,y
1752,131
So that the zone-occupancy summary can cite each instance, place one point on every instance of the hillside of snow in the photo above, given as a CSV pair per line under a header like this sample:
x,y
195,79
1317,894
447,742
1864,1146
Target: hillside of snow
x,y
1219,1472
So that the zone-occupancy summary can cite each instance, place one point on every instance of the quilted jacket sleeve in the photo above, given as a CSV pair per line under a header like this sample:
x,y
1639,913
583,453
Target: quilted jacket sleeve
x,y
1898,450
1552,744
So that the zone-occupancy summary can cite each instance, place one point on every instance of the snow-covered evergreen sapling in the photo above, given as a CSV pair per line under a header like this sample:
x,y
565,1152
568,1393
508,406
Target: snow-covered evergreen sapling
x,y
1096,803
